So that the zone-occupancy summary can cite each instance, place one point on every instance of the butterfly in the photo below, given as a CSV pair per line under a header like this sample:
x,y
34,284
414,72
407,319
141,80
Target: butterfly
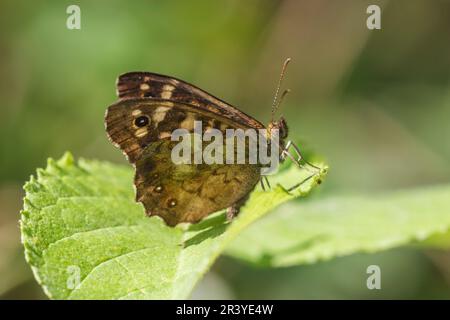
x,y
150,107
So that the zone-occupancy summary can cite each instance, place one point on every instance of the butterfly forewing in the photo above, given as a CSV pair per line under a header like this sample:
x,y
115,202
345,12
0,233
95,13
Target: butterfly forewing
x,y
163,118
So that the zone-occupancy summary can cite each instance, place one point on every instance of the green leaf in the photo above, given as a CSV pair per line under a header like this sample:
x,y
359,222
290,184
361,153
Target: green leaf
x,y
323,228
86,238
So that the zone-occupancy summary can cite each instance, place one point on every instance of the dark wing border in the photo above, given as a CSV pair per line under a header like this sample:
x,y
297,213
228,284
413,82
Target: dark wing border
x,y
129,84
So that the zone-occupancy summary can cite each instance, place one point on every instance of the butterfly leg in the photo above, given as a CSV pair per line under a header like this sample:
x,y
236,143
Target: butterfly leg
x,y
233,211
285,153
265,181
262,184
300,183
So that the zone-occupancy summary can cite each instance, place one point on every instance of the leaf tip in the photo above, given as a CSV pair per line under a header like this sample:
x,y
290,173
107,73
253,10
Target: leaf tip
x,y
67,159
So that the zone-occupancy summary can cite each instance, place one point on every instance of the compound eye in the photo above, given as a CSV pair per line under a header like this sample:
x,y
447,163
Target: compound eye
x,y
141,121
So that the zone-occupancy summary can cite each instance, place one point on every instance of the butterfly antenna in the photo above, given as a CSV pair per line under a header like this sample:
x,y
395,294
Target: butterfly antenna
x,y
285,92
276,103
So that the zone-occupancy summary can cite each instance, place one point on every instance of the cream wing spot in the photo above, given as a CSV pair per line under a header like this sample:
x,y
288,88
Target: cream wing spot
x,y
166,92
194,103
159,114
141,132
167,104
164,135
144,87
188,123
209,126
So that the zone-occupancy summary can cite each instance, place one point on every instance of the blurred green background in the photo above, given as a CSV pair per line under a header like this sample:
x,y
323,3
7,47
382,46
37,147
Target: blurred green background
x,y
374,103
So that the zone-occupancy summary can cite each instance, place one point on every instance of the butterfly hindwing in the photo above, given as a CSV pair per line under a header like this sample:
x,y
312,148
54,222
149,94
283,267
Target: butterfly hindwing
x,y
188,192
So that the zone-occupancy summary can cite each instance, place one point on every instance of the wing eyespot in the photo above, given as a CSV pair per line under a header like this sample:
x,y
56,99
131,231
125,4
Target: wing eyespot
x,y
141,121
172,203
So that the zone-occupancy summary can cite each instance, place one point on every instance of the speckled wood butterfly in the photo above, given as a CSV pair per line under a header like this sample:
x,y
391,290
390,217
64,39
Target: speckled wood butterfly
x,y
150,107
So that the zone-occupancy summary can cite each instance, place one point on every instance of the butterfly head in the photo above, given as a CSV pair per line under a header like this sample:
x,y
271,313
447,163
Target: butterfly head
x,y
279,125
